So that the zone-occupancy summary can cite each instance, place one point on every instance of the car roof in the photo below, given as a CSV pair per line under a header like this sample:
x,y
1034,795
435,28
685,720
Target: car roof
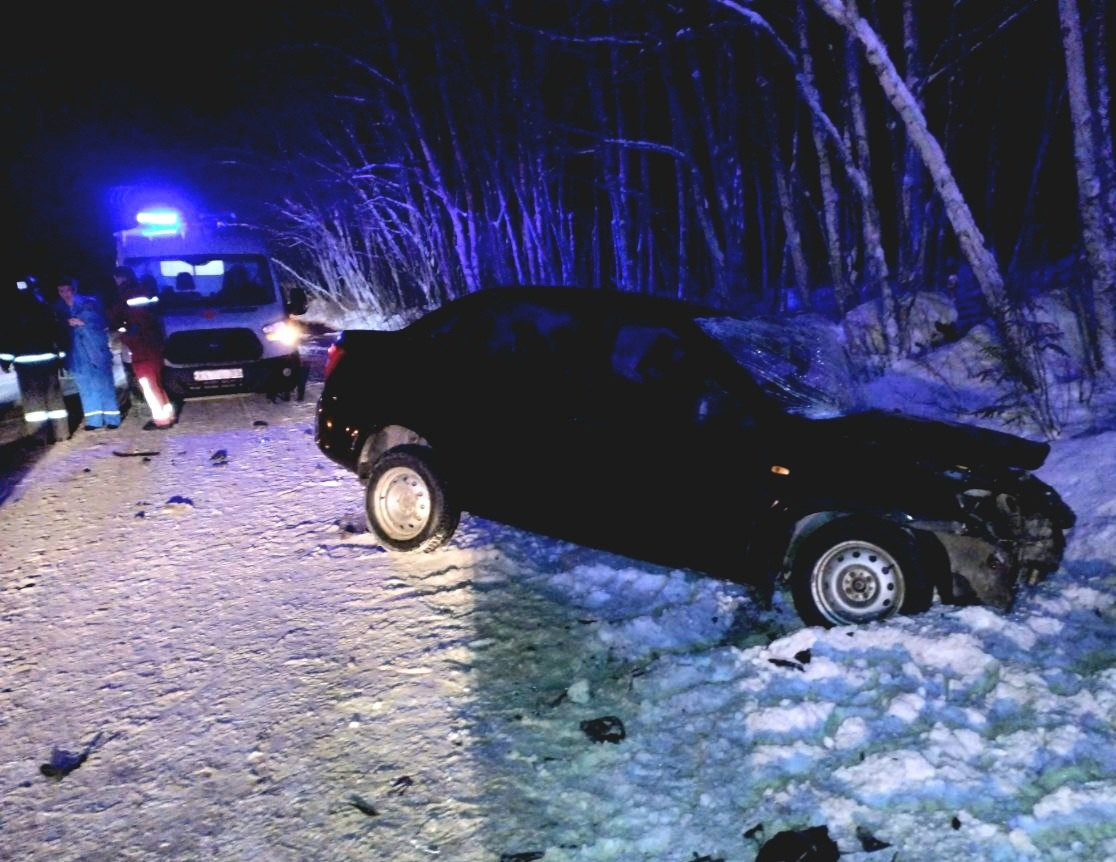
x,y
588,300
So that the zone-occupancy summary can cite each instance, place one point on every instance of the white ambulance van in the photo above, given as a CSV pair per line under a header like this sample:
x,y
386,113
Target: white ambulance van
x,y
228,324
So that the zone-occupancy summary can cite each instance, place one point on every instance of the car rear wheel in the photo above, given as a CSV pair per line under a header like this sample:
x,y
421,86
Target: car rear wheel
x,y
858,570
408,504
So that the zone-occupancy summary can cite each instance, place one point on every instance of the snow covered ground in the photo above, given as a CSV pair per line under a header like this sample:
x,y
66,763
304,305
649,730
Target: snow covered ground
x,y
257,680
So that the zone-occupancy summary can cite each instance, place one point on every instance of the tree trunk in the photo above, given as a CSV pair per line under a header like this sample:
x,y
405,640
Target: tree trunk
x,y
842,291
1101,256
785,196
913,233
971,240
1103,114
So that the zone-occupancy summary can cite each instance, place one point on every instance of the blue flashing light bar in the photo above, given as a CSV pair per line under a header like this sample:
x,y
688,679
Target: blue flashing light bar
x,y
159,221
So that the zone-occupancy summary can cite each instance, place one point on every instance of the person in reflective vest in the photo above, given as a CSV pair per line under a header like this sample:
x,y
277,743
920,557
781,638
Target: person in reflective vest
x,y
143,334
29,343
89,358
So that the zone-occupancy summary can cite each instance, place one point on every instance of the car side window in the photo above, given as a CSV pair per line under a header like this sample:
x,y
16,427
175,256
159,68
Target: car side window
x,y
657,373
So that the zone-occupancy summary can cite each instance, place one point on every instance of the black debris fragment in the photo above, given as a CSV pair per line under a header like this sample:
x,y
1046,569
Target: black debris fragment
x,y
135,453
400,785
526,856
800,845
869,841
607,728
259,423
181,501
755,832
63,762
706,858
955,822
221,456
362,805
141,514
803,655
782,662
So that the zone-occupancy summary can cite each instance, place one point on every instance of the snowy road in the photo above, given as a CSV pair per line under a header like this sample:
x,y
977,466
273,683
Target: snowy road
x,y
218,615
263,683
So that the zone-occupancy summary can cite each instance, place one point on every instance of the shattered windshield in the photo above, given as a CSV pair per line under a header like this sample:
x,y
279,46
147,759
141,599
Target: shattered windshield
x,y
800,362
195,282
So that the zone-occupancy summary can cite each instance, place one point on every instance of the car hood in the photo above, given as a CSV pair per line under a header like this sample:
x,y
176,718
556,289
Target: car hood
x,y
894,435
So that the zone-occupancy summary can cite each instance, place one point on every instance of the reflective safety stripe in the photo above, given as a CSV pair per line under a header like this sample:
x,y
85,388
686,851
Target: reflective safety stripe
x,y
160,412
28,358
44,415
103,413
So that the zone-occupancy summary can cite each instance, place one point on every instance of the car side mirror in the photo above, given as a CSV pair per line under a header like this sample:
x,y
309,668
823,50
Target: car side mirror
x,y
296,301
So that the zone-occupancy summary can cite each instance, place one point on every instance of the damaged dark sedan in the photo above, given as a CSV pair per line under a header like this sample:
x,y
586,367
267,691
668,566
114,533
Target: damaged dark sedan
x,y
684,436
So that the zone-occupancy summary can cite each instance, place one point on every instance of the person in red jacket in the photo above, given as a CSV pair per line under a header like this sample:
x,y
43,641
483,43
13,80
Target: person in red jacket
x,y
143,335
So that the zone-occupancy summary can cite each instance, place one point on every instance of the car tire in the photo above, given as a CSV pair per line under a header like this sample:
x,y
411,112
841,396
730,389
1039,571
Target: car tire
x,y
407,501
856,570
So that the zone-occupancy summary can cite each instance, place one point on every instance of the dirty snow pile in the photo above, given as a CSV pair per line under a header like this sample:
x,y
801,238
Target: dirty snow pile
x,y
205,655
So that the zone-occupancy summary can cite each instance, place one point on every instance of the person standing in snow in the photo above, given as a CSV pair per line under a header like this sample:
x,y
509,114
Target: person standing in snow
x,y
89,358
143,335
29,341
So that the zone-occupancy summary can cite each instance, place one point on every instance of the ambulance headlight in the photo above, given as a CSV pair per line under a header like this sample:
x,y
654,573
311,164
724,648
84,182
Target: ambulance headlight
x,y
286,332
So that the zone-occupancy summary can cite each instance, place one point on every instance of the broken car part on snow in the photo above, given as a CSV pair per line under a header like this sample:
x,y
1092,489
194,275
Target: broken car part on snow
x,y
681,435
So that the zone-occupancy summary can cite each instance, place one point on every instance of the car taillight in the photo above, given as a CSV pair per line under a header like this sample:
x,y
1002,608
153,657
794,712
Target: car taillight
x,y
333,356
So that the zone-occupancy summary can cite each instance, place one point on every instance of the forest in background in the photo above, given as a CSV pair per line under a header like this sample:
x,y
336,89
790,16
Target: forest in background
x,y
767,156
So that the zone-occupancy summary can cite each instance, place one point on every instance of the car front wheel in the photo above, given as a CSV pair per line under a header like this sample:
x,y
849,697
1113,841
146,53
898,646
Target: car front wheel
x,y
407,501
856,570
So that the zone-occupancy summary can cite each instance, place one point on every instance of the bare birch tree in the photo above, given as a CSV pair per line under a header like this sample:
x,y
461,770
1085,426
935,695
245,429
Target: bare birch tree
x,y
1090,189
980,258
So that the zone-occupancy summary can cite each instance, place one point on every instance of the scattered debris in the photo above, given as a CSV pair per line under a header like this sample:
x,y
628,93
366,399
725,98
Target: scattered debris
x,y
869,841
178,504
527,856
141,514
955,822
579,691
259,423
400,785
221,456
800,845
782,662
134,453
63,762
362,805
803,655
755,832
607,728
706,858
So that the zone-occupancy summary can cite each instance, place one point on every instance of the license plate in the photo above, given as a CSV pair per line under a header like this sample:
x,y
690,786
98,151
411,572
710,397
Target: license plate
x,y
219,374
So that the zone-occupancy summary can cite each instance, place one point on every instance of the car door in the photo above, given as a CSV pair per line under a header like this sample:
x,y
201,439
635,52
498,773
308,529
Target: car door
x,y
675,445
503,415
